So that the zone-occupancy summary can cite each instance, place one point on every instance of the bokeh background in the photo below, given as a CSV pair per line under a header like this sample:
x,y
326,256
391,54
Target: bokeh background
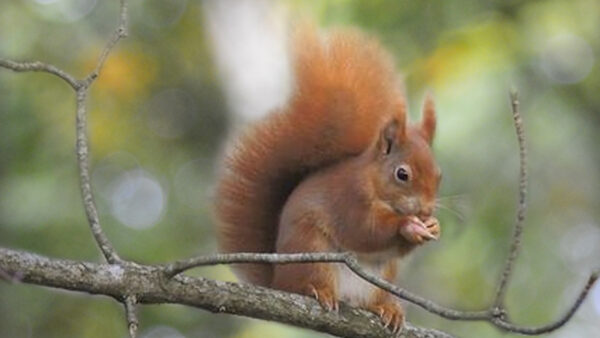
x,y
192,72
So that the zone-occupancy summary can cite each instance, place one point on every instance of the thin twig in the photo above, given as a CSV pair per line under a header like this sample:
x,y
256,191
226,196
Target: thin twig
x,y
331,257
426,304
119,33
91,211
177,267
82,147
37,66
558,323
522,207
130,304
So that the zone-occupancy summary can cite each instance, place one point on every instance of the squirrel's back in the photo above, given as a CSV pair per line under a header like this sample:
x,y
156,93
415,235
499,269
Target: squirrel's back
x,y
345,89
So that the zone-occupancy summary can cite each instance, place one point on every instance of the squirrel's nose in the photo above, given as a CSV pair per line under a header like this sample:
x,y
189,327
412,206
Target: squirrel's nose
x,y
425,213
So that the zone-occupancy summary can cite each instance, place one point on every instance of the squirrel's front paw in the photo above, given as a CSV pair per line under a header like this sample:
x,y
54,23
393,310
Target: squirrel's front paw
x,y
326,296
433,226
415,231
391,314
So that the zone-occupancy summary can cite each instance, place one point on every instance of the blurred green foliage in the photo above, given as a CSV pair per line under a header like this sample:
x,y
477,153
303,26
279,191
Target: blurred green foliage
x,y
159,117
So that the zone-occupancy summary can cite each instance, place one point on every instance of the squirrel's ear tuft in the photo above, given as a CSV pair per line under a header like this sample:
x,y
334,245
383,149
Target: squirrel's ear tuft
x,y
428,120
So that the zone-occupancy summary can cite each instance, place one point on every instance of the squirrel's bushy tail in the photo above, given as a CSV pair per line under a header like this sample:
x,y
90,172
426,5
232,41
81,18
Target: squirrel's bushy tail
x,y
345,89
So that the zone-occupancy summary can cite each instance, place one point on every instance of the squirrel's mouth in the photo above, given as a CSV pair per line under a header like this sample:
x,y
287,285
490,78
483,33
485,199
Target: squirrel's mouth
x,y
407,206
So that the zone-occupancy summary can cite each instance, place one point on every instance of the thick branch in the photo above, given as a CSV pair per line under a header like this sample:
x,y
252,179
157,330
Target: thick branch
x,y
150,286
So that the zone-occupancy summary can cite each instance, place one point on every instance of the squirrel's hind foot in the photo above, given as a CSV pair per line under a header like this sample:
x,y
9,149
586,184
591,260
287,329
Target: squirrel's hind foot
x,y
326,296
391,314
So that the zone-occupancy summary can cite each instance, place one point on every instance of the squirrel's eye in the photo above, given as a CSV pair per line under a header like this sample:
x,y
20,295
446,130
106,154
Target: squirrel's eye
x,y
402,173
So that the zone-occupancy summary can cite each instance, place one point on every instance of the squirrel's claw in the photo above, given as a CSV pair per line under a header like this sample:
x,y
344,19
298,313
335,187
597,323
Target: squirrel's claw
x,y
391,315
326,297
433,226
417,232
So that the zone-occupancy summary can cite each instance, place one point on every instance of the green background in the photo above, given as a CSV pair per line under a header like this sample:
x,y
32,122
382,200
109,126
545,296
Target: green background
x,y
159,115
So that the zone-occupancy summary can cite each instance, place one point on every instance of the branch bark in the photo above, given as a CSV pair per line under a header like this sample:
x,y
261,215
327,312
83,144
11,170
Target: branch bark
x,y
150,285
130,305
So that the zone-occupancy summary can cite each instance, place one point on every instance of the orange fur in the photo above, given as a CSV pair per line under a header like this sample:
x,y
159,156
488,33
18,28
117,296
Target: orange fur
x,y
345,88
337,169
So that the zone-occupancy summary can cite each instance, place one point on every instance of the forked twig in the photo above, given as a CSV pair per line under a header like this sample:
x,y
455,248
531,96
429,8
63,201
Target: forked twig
x,y
119,33
82,147
81,88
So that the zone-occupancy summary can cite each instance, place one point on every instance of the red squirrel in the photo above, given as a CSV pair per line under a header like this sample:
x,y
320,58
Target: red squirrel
x,y
337,169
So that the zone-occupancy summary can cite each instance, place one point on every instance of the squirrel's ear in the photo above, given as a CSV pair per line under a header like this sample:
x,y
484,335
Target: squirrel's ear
x,y
387,137
428,120
391,136
394,131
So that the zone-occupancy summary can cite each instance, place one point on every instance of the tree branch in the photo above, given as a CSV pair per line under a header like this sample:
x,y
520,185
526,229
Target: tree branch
x,y
89,204
522,207
37,66
491,314
346,258
501,323
81,88
119,33
110,254
150,286
130,305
